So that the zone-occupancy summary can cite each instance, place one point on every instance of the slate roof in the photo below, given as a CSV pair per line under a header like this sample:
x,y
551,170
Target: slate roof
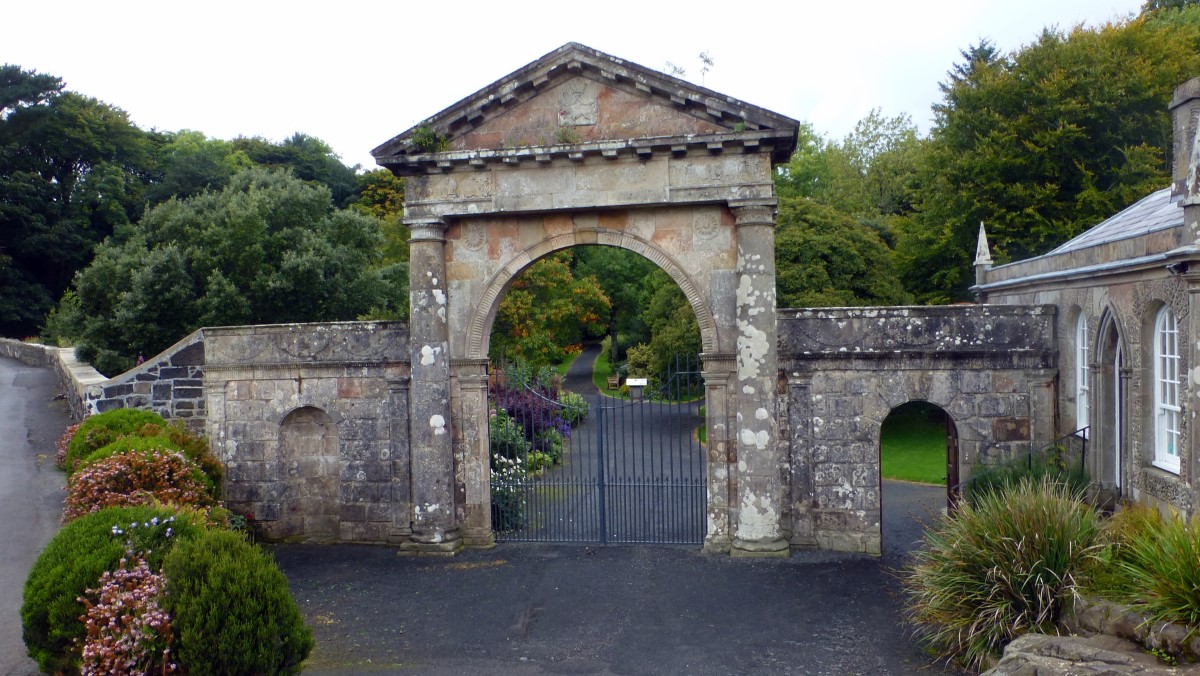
x,y
1156,211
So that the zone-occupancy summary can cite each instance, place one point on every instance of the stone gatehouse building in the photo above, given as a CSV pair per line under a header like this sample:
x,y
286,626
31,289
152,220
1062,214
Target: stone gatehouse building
x,y
377,431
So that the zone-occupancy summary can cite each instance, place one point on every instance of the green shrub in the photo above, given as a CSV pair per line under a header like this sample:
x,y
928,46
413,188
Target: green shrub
x,y
233,613
575,407
538,462
999,567
552,443
100,430
74,561
1051,465
507,437
198,450
137,477
1154,565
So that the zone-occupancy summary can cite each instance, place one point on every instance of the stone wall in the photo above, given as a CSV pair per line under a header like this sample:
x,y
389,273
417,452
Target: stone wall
x,y
843,370
171,384
311,421
1119,304
77,380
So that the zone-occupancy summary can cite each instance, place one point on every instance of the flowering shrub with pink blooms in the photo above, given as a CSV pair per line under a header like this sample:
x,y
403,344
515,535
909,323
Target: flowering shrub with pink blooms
x,y
136,478
127,629
60,455
74,561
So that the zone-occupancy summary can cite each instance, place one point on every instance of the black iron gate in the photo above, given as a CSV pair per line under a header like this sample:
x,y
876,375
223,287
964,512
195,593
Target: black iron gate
x,y
585,467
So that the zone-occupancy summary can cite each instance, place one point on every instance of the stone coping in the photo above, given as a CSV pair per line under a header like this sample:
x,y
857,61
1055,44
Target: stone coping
x,y
77,379
1100,616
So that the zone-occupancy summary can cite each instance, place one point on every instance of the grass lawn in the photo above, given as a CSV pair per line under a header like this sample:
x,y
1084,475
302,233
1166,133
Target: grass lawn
x,y
913,441
600,372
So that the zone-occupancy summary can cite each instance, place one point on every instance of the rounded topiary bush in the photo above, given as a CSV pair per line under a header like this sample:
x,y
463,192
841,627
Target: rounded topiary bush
x,y
137,477
100,430
74,561
999,567
231,608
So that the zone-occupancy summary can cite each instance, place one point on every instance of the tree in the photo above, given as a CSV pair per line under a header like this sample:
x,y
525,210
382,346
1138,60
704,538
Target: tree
x,y
72,170
309,158
381,195
190,163
623,276
824,257
674,332
268,248
1044,143
547,311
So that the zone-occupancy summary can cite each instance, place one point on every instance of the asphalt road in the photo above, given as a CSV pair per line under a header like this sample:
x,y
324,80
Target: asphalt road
x,y
31,492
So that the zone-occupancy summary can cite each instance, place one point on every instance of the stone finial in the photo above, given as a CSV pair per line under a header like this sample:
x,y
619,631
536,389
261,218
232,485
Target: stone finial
x,y
983,253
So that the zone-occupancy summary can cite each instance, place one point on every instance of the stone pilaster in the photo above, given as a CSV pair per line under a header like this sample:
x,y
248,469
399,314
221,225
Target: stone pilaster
x,y
720,449
471,451
397,411
435,530
760,485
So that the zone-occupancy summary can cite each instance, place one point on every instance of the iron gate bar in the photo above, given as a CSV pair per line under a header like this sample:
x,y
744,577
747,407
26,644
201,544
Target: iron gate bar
x,y
629,488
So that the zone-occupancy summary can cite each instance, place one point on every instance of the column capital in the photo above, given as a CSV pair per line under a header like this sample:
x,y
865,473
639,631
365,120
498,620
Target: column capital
x,y
427,229
754,211
469,369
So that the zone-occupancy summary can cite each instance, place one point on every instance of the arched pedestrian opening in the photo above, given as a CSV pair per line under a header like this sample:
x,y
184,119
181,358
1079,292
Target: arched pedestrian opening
x,y
595,404
919,470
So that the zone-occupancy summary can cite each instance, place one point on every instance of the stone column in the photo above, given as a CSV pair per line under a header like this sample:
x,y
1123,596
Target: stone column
x,y
720,453
760,486
471,449
435,530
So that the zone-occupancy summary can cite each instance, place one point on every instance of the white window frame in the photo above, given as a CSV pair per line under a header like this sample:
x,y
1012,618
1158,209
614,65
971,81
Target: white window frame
x,y
1166,391
1082,384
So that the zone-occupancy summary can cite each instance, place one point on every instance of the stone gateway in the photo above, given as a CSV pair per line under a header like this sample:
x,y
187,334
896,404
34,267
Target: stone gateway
x,y
378,431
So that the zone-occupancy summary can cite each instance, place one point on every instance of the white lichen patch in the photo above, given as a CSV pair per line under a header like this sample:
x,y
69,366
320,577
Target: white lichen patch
x,y
762,414
429,354
758,519
438,423
439,296
752,348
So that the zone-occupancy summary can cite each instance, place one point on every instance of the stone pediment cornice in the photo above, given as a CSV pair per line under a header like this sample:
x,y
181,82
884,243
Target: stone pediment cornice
x,y
770,141
575,60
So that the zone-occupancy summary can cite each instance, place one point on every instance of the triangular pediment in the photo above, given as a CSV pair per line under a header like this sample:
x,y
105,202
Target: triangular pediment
x,y
578,96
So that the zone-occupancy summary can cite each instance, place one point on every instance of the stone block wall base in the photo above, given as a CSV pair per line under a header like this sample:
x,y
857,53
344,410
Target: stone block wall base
x,y
771,548
414,548
399,536
717,544
479,538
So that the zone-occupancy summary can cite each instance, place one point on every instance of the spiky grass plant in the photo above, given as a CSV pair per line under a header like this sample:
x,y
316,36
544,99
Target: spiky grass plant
x,y
998,568
1156,567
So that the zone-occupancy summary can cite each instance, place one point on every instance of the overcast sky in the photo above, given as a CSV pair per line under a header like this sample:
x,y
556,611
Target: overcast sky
x,y
357,73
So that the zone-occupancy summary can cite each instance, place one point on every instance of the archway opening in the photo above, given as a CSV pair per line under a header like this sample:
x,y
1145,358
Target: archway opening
x,y
919,471
596,403
308,454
